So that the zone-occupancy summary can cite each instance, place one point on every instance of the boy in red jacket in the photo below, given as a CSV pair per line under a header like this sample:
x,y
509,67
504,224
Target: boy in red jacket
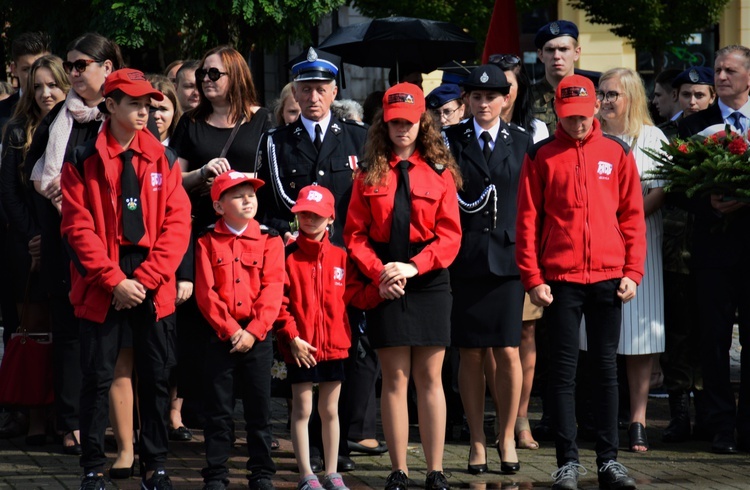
x,y
313,328
126,226
581,239
239,284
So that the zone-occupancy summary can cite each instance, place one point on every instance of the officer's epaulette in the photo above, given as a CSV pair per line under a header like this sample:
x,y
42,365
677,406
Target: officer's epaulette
x,y
535,148
269,231
206,230
625,146
516,127
354,122
271,131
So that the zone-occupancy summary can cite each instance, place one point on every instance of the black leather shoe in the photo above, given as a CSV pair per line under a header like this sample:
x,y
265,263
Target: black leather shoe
x,y
613,476
180,434
723,443
345,464
436,480
316,464
121,473
397,480
507,467
359,448
477,469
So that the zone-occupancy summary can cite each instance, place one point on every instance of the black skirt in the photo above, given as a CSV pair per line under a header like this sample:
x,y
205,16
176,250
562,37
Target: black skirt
x,y
487,312
419,318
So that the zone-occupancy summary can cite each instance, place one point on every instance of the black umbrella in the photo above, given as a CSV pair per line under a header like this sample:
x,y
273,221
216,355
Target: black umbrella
x,y
417,43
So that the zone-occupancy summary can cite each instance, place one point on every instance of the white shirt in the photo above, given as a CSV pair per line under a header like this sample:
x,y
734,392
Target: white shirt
x,y
493,133
310,126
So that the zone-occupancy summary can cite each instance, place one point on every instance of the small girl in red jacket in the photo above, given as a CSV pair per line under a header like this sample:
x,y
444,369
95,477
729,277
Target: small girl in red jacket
x,y
313,329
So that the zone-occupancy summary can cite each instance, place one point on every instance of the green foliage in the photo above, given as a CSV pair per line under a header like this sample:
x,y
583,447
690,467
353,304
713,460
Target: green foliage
x,y
652,25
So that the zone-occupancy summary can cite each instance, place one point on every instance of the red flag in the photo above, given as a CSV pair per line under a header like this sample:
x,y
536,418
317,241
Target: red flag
x,y
503,36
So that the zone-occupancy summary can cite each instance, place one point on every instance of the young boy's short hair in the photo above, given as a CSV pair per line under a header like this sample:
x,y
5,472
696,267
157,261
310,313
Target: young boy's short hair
x,y
230,179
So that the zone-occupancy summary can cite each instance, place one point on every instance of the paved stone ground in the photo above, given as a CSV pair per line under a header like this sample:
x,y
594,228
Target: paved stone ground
x,y
666,466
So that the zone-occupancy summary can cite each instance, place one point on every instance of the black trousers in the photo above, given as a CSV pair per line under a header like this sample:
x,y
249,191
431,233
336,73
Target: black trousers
x,y
357,405
251,372
722,294
154,355
602,309
680,361
66,359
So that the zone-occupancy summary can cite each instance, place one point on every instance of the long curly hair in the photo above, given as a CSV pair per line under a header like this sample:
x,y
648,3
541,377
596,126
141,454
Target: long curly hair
x,y
241,92
379,147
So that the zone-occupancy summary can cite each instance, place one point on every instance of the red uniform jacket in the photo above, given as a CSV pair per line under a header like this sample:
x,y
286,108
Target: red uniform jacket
x,y
92,229
320,283
434,215
239,279
580,211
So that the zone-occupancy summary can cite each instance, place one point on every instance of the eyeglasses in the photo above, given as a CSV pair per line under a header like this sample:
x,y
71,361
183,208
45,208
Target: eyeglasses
x,y
445,113
213,74
79,65
610,96
505,59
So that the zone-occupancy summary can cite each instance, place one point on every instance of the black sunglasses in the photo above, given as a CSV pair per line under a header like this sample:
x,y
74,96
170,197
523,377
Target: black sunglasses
x,y
213,74
505,59
79,65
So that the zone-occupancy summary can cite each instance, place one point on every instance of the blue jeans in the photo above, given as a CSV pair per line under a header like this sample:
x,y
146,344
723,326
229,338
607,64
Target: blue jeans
x,y
602,309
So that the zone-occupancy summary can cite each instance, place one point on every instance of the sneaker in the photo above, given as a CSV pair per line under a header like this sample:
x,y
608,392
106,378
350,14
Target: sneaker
x,y
397,480
566,476
261,484
614,476
436,480
93,481
158,481
310,482
334,481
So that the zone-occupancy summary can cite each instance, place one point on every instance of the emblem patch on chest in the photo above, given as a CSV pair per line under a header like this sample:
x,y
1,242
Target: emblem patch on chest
x,y
604,169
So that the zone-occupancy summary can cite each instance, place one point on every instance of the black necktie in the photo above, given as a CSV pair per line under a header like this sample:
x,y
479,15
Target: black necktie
x,y
736,119
399,243
318,137
487,151
132,213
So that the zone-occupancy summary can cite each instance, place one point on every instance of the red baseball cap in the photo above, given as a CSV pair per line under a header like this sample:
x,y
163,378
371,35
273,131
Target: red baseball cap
x,y
230,179
315,199
403,101
575,96
131,82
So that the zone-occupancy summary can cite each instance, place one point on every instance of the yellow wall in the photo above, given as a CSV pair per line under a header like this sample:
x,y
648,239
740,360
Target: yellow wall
x,y
734,24
600,49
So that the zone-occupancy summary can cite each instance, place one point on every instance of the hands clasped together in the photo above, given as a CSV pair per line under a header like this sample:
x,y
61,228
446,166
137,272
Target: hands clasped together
x,y
393,279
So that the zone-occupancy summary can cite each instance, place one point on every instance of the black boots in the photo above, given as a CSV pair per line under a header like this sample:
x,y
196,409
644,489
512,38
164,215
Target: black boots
x,y
678,429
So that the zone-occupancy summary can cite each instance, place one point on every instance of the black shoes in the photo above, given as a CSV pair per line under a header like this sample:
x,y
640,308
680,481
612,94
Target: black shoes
x,y
506,467
436,480
75,448
158,481
723,443
345,464
613,476
359,448
93,481
397,480
214,485
121,473
678,429
261,484
637,436
476,469
566,476
180,434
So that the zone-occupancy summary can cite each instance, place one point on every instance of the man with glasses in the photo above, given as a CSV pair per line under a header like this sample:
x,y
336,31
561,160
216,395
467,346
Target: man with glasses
x,y
557,47
720,263
446,104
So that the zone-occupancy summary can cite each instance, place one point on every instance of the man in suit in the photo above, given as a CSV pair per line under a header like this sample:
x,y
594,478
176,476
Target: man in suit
x,y
721,263
318,148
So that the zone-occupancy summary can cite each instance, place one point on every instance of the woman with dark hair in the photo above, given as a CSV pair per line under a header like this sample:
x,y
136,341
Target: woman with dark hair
x,y
90,59
166,112
47,86
403,231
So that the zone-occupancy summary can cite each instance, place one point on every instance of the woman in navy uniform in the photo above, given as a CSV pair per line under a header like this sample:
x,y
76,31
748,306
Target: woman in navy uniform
x,y
487,291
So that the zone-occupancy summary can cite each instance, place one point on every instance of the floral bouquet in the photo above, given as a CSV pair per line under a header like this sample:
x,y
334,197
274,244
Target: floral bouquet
x,y
715,161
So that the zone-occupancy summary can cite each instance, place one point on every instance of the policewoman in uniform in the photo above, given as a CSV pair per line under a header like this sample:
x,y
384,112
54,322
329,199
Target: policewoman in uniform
x,y
403,231
487,290
317,148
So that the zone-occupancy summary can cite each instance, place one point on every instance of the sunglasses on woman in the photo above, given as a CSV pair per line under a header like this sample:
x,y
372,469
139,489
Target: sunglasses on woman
x,y
505,59
79,65
213,74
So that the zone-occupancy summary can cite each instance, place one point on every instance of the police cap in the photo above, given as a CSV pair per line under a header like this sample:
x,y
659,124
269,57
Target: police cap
x,y
554,30
442,95
695,75
487,77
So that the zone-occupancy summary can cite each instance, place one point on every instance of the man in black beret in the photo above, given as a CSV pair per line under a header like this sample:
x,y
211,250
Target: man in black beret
x,y
557,47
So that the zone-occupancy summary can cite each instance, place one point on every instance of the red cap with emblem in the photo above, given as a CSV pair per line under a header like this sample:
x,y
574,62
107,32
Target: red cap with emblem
x,y
575,96
403,101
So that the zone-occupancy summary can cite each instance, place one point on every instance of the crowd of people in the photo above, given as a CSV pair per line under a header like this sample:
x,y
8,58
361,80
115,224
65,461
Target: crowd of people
x,y
178,240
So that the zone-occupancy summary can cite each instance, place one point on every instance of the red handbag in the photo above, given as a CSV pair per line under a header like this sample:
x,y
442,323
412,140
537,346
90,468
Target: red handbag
x,y
26,368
